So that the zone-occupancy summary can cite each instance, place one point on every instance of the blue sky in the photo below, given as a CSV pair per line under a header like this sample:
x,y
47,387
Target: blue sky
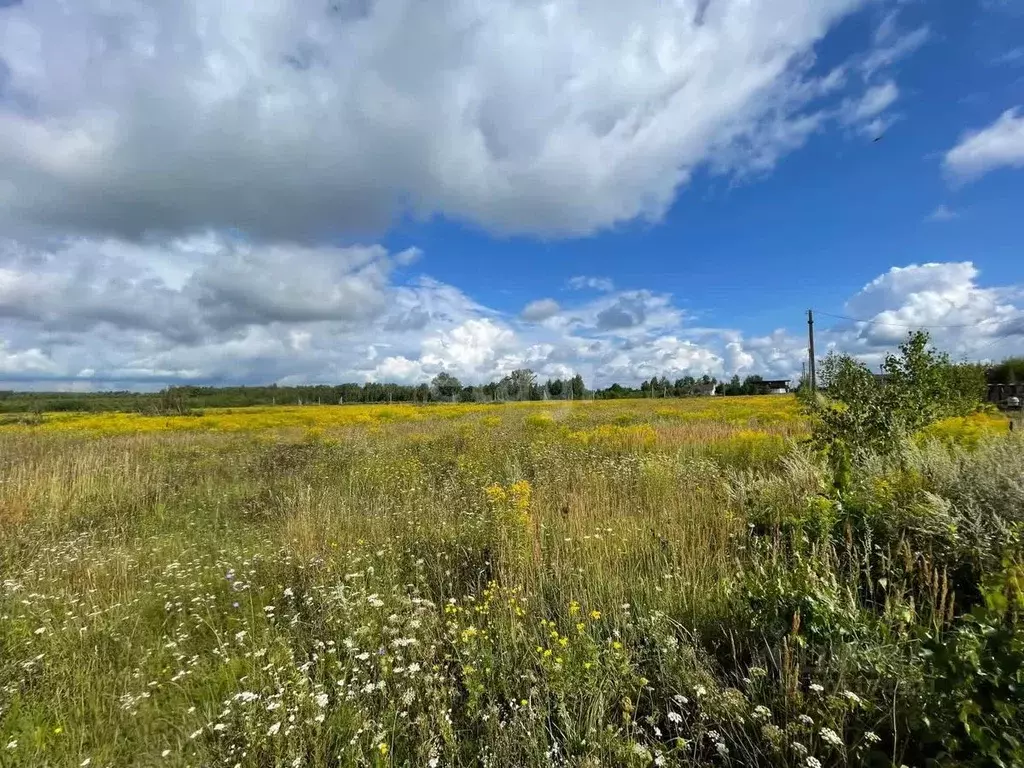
x,y
217,195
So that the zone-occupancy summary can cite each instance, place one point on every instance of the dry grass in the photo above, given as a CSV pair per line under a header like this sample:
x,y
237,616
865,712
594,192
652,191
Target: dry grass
x,y
513,585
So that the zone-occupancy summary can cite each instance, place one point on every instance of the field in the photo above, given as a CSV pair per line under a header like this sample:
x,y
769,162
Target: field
x,y
663,582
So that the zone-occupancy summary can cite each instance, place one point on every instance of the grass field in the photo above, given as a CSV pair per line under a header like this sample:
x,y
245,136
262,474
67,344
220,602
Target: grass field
x,y
666,582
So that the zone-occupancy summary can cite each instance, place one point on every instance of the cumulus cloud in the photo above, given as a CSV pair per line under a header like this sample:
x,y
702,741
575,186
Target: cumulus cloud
x,y
183,289
296,121
998,145
140,321
539,310
964,318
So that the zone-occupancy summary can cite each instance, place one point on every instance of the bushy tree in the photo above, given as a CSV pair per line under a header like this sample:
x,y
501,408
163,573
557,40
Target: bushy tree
x,y
445,386
576,384
864,412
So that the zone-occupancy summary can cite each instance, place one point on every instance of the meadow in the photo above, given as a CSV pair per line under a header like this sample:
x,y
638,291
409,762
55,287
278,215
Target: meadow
x,y
611,583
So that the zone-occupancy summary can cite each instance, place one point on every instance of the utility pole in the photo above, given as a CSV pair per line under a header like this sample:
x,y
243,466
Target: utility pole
x,y
810,351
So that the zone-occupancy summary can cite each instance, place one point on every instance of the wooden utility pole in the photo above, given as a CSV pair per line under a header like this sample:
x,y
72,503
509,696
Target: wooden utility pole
x,y
810,351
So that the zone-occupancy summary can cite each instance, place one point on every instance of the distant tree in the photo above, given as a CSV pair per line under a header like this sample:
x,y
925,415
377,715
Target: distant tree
x,y
1010,371
752,385
445,385
522,381
578,390
733,387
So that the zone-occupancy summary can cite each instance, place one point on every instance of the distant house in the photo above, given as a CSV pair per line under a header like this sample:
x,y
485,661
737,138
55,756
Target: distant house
x,y
1000,393
774,387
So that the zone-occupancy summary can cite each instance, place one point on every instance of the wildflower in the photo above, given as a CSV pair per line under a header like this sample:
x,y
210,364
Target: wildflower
x,y
165,753
723,750
595,615
272,730
762,712
798,748
871,737
383,749
806,720
58,730
816,688
12,744
700,690
85,762
675,717
853,697
321,700
639,750
812,762
831,737
433,762
195,734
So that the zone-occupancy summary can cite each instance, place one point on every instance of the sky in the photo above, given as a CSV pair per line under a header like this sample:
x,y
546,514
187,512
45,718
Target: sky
x,y
320,191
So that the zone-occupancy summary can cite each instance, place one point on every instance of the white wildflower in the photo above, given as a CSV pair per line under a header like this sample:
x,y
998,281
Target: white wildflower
x,y
812,762
321,700
165,753
816,688
675,717
272,730
831,737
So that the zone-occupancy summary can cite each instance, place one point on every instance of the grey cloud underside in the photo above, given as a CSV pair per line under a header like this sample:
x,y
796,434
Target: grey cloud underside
x,y
171,172
299,121
121,329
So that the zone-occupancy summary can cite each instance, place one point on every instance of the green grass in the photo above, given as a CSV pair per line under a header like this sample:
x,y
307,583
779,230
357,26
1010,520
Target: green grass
x,y
358,598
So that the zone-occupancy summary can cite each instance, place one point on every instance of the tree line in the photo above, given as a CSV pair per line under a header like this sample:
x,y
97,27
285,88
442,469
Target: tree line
x,y
521,384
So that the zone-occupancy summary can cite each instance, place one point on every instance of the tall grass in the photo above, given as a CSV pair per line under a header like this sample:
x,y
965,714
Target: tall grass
x,y
584,585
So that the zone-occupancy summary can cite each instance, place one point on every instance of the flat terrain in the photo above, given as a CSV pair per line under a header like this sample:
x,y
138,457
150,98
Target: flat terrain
x,y
663,582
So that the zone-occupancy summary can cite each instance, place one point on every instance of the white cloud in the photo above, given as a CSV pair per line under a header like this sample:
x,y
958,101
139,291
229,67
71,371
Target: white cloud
x,y
294,121
942,213
962,316
871,104
583,282
539,310
891,48
111,332
998,145
183,289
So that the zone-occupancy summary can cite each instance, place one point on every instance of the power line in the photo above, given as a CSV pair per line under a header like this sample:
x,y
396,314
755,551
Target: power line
x,y
902,325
